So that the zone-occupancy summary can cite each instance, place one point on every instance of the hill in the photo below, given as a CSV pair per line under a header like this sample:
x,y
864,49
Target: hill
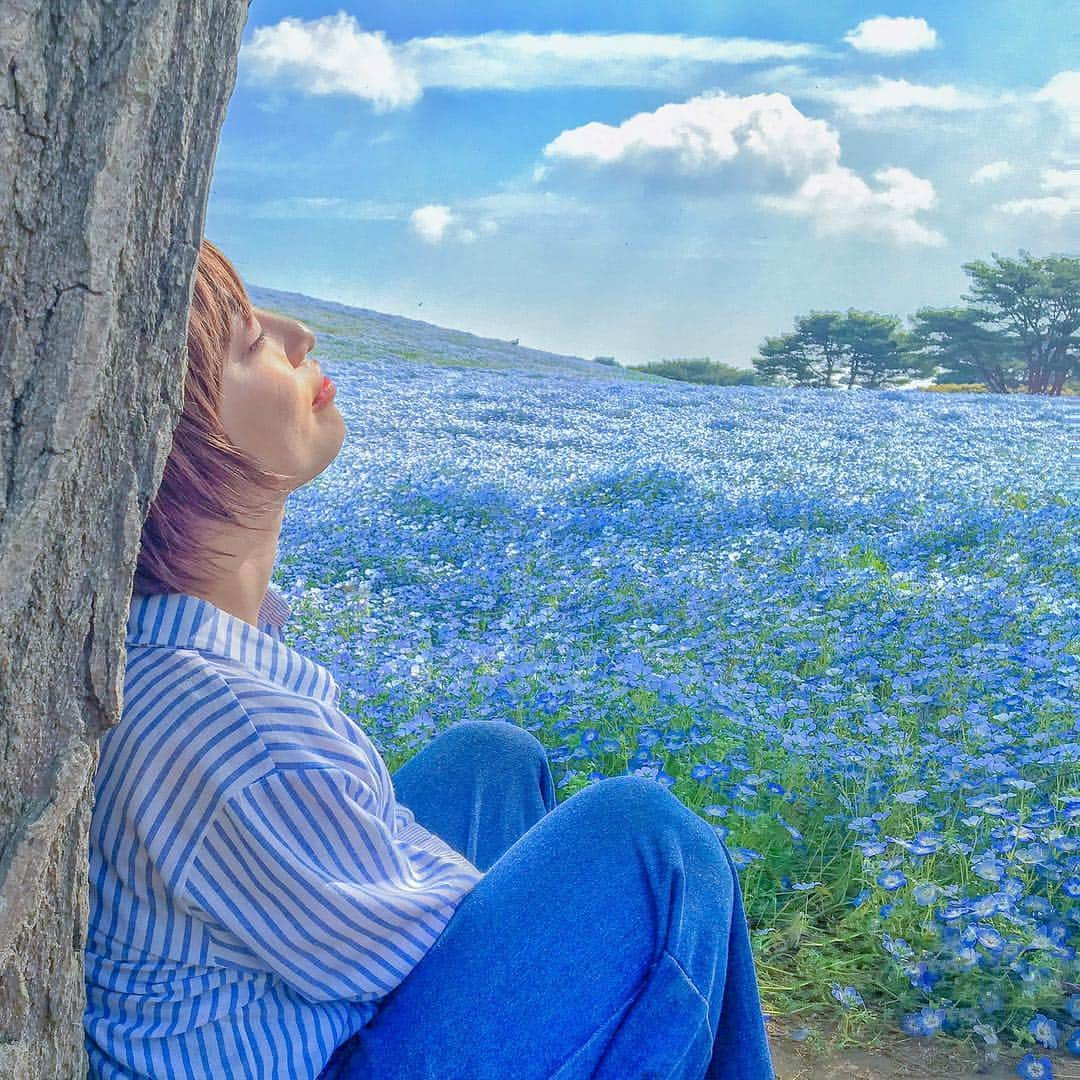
x,y
352,333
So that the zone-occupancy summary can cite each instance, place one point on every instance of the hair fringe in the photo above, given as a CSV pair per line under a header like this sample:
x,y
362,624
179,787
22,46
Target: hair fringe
x,y
207,479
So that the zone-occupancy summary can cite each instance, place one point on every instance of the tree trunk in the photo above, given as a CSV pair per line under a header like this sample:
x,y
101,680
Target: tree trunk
x,y
993,377
109,121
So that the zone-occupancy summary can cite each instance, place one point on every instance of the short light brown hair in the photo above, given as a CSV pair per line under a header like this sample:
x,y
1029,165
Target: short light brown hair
x,y
207,478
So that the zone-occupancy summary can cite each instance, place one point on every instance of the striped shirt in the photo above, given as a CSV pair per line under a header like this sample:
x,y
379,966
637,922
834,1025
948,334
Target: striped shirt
x,y
255,888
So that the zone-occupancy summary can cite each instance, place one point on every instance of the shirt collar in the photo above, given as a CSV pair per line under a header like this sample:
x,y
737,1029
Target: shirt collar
x,y
274,608
181,621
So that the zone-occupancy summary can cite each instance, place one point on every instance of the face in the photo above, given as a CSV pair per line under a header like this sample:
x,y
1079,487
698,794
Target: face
x,y
267,395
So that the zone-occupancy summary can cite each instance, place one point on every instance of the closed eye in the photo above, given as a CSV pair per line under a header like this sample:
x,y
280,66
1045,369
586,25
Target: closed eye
x,y
258,341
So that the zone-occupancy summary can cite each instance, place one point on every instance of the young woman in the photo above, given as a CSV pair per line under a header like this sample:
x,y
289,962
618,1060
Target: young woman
x,y
266,901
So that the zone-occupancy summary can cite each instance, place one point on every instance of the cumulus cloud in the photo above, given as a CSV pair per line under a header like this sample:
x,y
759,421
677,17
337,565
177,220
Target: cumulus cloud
x,y
772,144
991,172
840,201
699,136
1062,92
887,36
436,223
431,222
333,55
1060,200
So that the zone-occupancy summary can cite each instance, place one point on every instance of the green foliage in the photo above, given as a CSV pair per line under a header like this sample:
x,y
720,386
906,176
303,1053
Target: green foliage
x,y
957,388
608,361
955,343
827,349
1021,332
701,370
1034,304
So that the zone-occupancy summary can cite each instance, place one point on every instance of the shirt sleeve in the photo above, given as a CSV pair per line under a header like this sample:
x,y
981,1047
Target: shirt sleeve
x,y
298,874
408,828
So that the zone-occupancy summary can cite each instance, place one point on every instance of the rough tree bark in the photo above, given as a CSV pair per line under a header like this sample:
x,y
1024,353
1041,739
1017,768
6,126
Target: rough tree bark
x,y
109,121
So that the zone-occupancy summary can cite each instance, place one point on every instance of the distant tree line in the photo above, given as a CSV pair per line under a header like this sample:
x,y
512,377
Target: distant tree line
x,y
1019,331
701,370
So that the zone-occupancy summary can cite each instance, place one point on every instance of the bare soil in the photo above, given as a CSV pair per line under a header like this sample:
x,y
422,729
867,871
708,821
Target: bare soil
x,y
897,1057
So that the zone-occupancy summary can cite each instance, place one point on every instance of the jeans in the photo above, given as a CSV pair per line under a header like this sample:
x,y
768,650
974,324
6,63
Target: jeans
x,y
607,938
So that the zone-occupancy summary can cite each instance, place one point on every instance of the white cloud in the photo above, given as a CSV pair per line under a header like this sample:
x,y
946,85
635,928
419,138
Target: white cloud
x,y
991,172
333,55
1063,93
840,201
770,143
504,205
323,207
431,222
703,134
523,61
890,95
1061,198
887,36
484,215
1063,90
436,222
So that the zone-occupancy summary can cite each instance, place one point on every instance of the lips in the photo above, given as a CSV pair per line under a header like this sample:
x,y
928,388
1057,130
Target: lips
x,y
322,387
325,395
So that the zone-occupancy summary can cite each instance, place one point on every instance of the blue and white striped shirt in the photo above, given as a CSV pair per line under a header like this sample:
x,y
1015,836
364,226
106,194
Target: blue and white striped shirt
x,y
255,888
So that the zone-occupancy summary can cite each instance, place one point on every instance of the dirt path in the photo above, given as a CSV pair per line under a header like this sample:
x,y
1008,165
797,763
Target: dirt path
x,y
898,1058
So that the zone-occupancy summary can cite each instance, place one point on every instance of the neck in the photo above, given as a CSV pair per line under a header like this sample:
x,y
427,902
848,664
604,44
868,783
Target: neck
x,y
242,576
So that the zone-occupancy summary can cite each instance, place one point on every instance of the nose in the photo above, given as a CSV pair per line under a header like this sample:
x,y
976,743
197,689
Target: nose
x,y
306,339
296,339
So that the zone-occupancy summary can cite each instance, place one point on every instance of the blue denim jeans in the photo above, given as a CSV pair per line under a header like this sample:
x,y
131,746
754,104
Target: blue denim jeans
x,y
607,938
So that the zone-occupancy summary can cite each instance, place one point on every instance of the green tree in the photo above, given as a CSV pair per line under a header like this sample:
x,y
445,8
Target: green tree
x,y
876,353
814,354
1035,303
954,344
701,370
827,348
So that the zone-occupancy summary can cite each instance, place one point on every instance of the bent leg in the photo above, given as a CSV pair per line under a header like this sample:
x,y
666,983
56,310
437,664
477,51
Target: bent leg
x,y
479,785
599,945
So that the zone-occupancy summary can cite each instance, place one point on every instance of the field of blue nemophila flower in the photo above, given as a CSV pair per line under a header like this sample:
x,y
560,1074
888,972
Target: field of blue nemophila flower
x,y
841,627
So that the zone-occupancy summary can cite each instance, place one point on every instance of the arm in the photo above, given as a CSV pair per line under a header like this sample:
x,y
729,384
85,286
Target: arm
x,y
297,874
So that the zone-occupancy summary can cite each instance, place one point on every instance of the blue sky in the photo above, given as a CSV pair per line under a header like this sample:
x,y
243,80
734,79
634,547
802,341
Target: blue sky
x,y
645,180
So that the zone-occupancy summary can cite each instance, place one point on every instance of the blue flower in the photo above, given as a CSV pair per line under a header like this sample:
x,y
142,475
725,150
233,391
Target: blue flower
x,y
848,996
931,1020
892,880
926,893
989,938
896,947
1044,1031
916,795
921,976
1032,1068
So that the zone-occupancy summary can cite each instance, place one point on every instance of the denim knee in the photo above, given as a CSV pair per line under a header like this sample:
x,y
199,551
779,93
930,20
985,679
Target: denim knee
x,y
497,740
639,804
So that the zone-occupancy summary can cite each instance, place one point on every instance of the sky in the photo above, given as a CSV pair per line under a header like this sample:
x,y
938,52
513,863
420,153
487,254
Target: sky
x,y
645,180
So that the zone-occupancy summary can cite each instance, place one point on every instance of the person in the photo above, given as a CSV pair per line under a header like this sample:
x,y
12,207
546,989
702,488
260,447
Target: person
x,y
267,901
